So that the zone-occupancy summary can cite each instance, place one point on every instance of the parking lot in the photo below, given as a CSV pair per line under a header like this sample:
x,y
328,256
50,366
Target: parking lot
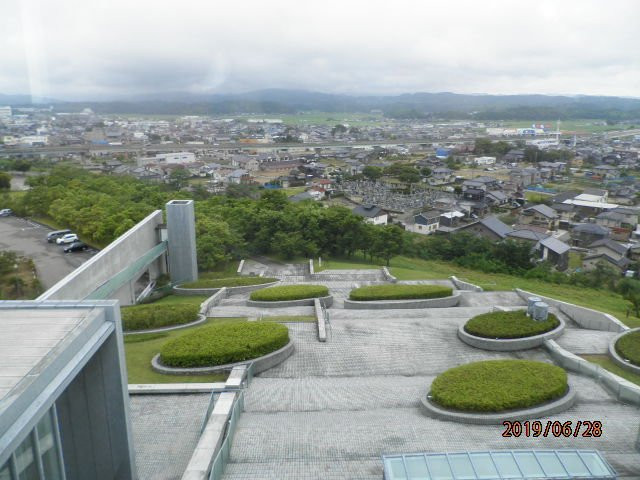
x,y
28,239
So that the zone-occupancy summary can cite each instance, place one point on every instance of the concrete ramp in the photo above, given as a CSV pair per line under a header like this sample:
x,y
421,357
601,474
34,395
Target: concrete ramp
x,y
479,299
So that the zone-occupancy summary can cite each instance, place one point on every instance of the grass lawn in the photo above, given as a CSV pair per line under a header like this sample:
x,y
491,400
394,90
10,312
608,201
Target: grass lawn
x,y
230,270
293,190
140,349
349,264
605,362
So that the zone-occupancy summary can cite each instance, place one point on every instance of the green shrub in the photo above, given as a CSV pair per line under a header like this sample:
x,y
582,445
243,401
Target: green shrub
x,y
224,343
498,385
144,317
399,292
289,292
628,347
514,324
227,282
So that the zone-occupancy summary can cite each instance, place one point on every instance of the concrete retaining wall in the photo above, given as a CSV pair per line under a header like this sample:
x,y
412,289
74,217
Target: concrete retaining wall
x,y
213,300
462,285
322,327
211,438
585,317
444,302
230,290
387,275
509,344
623,390
548,409
305,302
260,364
617,358
117,256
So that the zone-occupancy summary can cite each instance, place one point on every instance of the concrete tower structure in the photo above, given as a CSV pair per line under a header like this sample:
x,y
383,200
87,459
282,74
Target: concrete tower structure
x,y
181,236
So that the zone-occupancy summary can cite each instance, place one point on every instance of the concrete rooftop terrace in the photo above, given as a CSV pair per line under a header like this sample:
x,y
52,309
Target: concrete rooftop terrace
x,y
332,409
29,339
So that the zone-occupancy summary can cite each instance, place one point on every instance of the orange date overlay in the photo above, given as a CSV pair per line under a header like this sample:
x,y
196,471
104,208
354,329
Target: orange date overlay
x,y
581,428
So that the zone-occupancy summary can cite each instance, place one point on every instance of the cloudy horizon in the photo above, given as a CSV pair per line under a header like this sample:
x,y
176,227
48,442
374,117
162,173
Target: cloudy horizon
x,y
101,49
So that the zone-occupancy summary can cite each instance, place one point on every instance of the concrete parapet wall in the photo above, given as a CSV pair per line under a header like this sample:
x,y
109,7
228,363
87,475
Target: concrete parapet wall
x,y
230,290
548,409
387,275
509,344
622,389
585,317
213,300
240,267
260,364
322,327
304,302
462,285
211,439
443,302
117,256
617,358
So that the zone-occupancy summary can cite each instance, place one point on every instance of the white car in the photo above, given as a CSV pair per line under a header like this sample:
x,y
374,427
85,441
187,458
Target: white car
x,y
5,212
68,238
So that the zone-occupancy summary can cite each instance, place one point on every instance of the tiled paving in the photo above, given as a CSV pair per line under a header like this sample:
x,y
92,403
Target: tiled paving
x,y
332,409
166,429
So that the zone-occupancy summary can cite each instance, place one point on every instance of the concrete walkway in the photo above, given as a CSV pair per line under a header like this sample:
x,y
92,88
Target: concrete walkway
x,y
332,409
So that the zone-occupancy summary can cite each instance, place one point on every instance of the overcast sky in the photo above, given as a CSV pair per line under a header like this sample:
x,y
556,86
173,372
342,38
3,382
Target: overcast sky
x,y
99,49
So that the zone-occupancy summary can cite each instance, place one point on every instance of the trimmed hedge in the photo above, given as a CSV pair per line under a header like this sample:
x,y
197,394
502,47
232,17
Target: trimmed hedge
x,y
399,292
498,385
289,292
628,347
514,324
224,343
144,317
227,282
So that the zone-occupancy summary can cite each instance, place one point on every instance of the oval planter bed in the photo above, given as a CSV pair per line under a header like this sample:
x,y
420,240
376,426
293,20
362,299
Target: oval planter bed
x,y
200,320
220,347
149,318
379,297
234,286
624,350
493,391
290,296
509,331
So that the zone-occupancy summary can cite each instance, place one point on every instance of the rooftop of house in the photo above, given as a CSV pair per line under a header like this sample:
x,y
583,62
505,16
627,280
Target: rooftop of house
x,y
543,210
369,211
555,245
592,228
610,244
495,225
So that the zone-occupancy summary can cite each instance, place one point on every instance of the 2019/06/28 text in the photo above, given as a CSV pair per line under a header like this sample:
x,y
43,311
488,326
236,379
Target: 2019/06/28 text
x,y
581,428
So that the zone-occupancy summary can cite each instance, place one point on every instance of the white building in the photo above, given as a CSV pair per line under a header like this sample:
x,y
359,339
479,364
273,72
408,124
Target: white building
x,y
5,113
485,160
180,157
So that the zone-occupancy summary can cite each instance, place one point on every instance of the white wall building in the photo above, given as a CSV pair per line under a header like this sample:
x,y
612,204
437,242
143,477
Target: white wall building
x,y
180,157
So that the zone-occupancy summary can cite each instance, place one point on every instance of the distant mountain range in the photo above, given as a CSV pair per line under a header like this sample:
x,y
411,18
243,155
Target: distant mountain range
x,y
411,105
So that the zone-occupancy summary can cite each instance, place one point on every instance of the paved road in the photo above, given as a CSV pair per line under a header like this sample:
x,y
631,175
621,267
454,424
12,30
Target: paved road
x,y
28,239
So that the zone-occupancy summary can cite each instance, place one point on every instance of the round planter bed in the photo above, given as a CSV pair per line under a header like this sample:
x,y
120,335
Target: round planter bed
x,y
501,341
497,390
442,302
218,346
179,290
617,353
303,302
547,409
262,363
201,319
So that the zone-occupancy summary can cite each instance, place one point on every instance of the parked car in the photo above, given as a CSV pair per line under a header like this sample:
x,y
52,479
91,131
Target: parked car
x,y
75,247
5,212
53,236
68,238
